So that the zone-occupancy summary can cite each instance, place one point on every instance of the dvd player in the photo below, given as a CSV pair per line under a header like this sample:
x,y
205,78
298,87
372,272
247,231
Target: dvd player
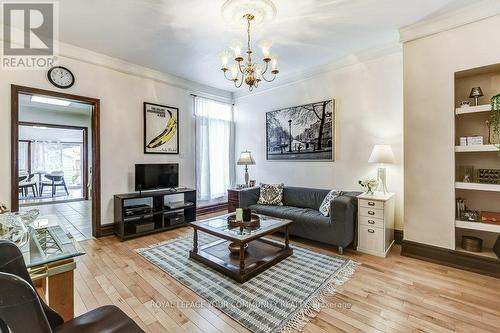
x,y
137,209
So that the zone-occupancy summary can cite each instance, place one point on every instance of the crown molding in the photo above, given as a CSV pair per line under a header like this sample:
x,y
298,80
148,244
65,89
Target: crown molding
x,y
349,60
69,51
478,11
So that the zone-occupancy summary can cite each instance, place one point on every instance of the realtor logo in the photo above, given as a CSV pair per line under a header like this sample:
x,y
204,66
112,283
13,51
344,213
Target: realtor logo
x,y
28,36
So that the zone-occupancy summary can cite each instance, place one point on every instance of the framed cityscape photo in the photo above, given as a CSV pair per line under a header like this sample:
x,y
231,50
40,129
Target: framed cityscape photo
x,y
304,132
161,129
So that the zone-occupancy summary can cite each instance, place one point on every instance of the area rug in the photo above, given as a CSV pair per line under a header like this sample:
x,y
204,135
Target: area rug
x,y
281,299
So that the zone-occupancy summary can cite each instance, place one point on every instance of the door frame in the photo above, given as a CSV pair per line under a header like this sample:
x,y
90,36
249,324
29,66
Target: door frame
x,y
97,228
85,149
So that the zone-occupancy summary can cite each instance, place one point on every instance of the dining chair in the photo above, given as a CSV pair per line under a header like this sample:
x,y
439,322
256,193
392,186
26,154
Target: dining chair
x,y
54,179
22,310
26,183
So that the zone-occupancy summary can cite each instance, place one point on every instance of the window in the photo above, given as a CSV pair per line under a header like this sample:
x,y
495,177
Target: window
x,y
214,148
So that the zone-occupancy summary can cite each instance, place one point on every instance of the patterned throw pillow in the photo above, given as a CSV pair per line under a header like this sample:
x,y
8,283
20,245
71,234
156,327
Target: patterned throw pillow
x,y
325,205
271,194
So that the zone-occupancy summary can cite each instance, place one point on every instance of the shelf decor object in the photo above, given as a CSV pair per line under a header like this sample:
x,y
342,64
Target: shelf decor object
x,y
495,116
246,159
488,176
496,247
473,244
475,93
382,154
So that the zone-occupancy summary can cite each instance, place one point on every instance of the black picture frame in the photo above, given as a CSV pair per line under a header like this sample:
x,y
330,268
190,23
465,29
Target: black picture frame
x,y
308,148
151,134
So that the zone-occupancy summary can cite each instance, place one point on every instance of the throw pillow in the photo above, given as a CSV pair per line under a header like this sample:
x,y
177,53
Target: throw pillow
x,y
271,194
325,205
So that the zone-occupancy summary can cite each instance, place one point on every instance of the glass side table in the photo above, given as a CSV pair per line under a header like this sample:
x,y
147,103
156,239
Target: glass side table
x,y
49,257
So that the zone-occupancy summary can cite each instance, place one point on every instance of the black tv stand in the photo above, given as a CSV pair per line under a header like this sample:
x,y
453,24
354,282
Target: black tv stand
x,y
132,222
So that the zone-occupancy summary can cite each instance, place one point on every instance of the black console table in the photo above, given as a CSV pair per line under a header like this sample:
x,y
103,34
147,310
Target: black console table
x,y
138,214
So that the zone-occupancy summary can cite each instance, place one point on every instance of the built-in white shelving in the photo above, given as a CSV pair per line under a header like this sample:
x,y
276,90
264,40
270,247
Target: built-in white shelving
x,y
488,253
477,226
477,186
473,109
476,148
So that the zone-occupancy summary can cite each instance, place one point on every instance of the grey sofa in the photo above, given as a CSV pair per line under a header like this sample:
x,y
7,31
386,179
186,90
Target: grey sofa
x,y
302,206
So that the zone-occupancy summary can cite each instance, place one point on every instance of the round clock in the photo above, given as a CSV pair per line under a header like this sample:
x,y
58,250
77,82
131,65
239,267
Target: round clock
x,y
61,77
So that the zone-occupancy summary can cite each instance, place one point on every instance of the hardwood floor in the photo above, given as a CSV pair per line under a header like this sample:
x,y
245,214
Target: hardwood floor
x,y
396,294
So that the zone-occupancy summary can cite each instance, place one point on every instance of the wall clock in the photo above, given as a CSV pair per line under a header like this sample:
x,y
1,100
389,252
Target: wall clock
x,y
61,77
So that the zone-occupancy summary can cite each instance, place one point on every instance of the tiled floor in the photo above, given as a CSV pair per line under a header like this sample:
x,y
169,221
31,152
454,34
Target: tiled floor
x,y
74,193
75,216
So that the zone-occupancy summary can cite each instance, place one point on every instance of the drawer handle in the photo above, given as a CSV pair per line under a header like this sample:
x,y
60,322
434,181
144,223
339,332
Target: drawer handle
x,y
371,222
371,212
371,203
371,231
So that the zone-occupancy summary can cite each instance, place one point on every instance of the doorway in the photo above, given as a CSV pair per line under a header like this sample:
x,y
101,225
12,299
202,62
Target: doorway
x,y
55,157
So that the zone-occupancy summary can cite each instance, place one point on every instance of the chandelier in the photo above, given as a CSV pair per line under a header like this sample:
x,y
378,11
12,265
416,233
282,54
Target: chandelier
x,y
244,69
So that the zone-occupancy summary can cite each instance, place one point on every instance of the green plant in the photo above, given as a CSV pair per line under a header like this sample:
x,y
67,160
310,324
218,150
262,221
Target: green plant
x,y
495,117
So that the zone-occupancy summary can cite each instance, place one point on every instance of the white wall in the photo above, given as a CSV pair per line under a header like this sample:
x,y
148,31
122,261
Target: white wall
x,y
369,110
429,67
122,96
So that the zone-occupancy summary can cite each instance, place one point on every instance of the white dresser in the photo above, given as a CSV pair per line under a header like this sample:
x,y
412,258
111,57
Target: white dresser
x,y
376,223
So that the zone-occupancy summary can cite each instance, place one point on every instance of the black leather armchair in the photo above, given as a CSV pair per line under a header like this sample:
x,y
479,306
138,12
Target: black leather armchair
x,y
22,310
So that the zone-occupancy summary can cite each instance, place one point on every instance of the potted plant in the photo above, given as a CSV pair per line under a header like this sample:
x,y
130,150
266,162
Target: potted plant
x,y
370,183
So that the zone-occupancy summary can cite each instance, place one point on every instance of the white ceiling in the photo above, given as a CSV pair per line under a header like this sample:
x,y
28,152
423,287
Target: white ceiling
x,y
184,37
50,134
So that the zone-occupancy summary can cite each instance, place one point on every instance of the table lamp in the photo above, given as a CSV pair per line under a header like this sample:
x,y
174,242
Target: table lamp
x,y
382,154
246,159
475,93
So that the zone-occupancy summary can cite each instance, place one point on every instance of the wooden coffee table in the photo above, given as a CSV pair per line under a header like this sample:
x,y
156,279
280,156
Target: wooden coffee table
x,y
259,255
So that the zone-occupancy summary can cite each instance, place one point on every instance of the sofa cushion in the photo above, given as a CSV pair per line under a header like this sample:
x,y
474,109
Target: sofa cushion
x,y
325,205
303,197
300,215
271,194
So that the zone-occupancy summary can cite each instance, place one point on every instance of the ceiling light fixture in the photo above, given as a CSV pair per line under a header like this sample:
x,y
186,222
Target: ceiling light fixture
x,y
48,100
246,70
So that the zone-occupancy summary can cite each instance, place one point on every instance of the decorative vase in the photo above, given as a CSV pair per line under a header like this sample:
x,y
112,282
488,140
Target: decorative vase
x,y
12,228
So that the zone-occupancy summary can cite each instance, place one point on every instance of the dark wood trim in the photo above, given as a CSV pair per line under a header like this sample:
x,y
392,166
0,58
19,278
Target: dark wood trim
x,y
30,123
461,260
85,149
96,147
398,237
209,209
107,230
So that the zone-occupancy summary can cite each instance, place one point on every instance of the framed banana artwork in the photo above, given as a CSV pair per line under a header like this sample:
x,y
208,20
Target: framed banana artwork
x,y
161,129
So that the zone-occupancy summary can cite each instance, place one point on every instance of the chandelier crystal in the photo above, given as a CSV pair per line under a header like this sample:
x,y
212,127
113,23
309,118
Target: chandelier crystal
x,y
244,69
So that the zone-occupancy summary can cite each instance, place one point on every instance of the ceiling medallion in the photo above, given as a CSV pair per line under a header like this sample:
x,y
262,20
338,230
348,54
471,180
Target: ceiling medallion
x,y
244,69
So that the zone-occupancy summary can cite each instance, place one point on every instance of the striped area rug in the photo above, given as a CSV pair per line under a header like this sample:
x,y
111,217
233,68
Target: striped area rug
x,y
281,299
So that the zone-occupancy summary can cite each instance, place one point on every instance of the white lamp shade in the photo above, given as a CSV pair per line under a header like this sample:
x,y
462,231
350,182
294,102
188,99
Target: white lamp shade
x,y
246,158
382,154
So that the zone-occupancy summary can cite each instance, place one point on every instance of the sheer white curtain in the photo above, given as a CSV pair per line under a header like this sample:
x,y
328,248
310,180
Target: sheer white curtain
x,y
46,156
214,148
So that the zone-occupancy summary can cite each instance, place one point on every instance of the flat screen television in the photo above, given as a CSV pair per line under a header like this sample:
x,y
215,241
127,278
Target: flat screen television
x,y
156,176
